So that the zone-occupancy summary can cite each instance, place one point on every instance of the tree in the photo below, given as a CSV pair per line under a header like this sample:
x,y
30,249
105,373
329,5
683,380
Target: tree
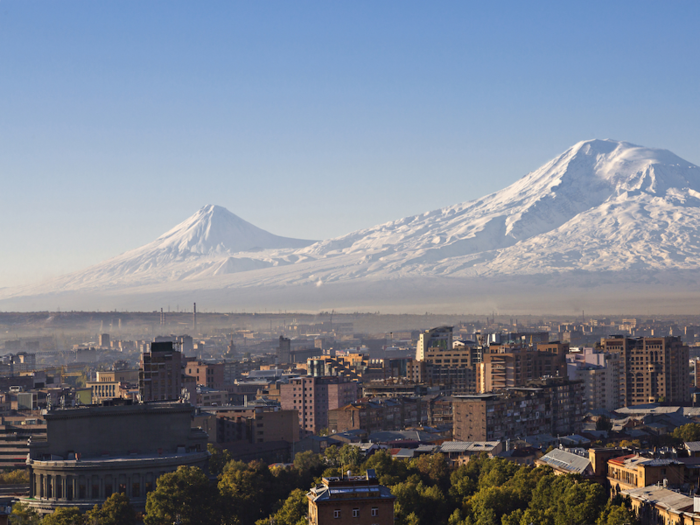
x,y
581,504
388,470
218,459
293,511
245,490
616,515
332,456
350,457
687,433
434,469
308,465
491,503
64,516
14,477
116,510
186,493
22,514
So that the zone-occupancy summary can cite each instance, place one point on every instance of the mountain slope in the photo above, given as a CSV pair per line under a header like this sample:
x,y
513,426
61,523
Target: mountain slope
x,y
601,205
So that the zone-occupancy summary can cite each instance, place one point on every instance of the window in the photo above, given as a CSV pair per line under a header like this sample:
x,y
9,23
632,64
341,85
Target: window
x,y
355,513
336,513
375,511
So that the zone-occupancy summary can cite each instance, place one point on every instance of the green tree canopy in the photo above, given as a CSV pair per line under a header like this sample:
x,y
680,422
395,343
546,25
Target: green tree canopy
x,y
186,493
22,514
687,433
246,491
64,516
218,460
293,511
116,510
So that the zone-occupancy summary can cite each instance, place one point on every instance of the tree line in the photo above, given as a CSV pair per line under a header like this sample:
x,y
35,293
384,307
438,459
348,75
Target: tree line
x,y
428,489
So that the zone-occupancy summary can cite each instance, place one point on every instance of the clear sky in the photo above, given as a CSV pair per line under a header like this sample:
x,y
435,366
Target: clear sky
x,y
310,119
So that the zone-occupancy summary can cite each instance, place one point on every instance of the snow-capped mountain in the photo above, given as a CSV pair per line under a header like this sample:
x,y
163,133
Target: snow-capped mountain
x,y
601,205
601,208
209,243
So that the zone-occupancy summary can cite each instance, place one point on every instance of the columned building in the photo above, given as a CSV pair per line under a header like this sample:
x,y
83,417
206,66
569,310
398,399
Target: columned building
x,y
93,452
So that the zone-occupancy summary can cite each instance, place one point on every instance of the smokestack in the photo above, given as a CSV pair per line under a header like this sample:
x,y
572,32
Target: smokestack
x,y
194,318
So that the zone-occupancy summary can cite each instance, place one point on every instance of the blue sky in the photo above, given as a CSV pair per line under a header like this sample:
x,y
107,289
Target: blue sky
x,y
310,119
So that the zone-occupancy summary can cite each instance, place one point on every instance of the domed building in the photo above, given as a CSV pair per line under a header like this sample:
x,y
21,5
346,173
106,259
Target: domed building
x,y
93,452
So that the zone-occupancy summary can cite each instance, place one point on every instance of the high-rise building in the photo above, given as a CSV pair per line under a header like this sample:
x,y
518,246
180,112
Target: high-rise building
x,y
509,365
439,338
284,350
104,341
313,397
160,378
600,373
652,369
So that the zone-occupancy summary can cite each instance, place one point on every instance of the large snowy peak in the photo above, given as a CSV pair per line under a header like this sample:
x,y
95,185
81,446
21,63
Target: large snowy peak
x,y
582,178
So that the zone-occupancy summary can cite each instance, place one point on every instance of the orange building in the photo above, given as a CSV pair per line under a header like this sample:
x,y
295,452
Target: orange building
x,y
634,471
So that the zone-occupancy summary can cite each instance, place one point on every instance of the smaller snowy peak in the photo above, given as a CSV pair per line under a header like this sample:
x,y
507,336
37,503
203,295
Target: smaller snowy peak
x,y
214,229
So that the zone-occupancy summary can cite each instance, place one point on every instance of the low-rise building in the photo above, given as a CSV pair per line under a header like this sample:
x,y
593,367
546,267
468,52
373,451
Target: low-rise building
x,y
375,414
351,500
654,505
564,462
634,471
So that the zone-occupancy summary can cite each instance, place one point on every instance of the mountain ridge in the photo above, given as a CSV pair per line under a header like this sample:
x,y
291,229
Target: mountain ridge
x,y
600,206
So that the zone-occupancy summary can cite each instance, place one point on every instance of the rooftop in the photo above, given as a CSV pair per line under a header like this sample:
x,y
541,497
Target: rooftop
x,y
661,497
563,460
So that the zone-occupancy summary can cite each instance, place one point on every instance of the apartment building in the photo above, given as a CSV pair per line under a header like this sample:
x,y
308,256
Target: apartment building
x,y
652,369
313,397
549,406
634,471
514,365
210,375
375,415
600,373
439,338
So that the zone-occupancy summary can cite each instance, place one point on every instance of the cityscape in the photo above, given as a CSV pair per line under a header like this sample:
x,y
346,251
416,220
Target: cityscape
x,y
349,263
104,413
